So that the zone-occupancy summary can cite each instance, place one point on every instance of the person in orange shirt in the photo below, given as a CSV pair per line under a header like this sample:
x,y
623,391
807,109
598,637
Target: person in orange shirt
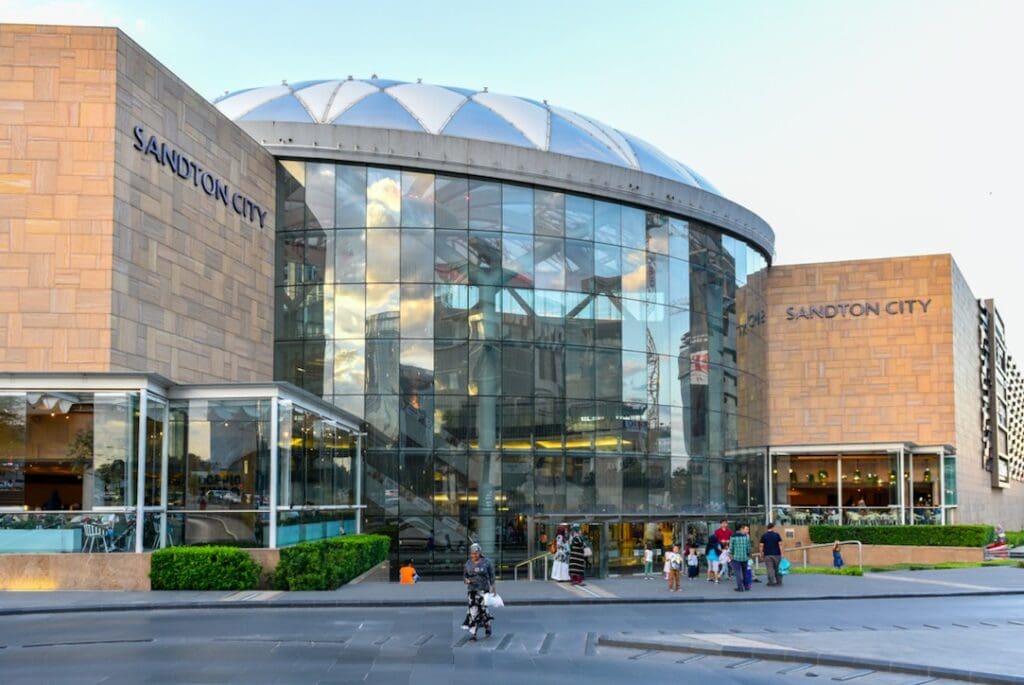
x,y
407,574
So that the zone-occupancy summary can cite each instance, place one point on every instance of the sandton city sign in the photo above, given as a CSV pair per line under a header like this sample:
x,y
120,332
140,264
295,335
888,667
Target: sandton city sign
x,y
185,168
855,310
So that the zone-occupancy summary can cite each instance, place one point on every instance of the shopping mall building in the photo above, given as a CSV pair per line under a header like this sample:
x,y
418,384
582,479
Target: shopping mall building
x,y
447,314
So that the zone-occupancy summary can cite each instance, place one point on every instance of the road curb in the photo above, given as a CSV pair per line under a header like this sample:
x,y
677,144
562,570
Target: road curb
x,y
815,658
459,603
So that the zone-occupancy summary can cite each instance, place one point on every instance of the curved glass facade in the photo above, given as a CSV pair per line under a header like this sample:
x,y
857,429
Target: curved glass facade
x,y
522,356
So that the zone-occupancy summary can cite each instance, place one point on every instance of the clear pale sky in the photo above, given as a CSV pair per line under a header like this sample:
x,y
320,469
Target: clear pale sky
x,y
856,129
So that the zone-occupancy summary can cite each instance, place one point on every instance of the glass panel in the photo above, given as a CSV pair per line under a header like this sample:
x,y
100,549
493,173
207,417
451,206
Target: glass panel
x,y
219,457
450,424
320,194
350,256
579,319
679,283
517,371
350,196
579,372
657,233
678,239
417,255
484,258
608,483
579,266
634,273
417,311
657,278
516,417
156,424
291,196
382,366
319,260
451,370
451,256
382,415
634,228
291,249
549,213
451,198
484,368
382,255
484,205
349,311
451,303
549,324
383,199
549,371
634,325
517,208
607,269
549,263
382,311
607,223
549,420
517,260
608,372
549,484
634,377
349,368
607,322
517,314
417,199
579,217
579,425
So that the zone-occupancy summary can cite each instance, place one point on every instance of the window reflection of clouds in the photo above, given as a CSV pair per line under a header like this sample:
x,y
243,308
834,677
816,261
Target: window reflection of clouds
x,y
417,311
349,311
349,366
383,197
382,255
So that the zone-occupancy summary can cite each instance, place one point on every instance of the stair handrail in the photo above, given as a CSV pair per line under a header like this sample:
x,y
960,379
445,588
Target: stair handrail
x,y
530,561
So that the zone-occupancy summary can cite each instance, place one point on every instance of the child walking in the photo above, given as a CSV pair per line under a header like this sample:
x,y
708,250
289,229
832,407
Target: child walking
x,y
711,553
723,562
837,556
692,563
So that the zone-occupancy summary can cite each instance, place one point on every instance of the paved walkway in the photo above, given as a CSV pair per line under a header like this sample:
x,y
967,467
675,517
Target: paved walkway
x,y
630,590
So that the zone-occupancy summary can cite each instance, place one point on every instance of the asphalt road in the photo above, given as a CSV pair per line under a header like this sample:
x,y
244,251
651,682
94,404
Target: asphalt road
x,y
530,644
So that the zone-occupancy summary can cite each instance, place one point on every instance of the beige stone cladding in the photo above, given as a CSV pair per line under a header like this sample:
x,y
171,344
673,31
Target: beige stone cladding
x,y
193,295
978,501
840,373
57,111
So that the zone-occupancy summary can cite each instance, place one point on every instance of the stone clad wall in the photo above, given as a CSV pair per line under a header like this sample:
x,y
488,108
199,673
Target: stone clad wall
x,y
193,281
57,111
867,378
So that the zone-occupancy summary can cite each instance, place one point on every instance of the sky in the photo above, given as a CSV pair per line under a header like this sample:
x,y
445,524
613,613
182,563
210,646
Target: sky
x,y
857,129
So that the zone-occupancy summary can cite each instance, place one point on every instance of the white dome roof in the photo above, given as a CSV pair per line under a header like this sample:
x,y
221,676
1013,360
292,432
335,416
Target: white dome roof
x,y
457,112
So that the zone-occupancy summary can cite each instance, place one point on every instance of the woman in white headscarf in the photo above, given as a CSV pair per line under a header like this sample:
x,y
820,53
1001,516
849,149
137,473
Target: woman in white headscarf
x,y
479,577
560,566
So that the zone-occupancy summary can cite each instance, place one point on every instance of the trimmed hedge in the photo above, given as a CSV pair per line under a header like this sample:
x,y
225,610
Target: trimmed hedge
x,y
329,564
203,568
913,536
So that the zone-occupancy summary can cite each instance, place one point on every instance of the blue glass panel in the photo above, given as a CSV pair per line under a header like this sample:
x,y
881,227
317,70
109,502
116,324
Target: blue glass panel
x,y
655,162
476,121
379,110
284,108
703,182
232,94
566,139
306,84
468,92
382,82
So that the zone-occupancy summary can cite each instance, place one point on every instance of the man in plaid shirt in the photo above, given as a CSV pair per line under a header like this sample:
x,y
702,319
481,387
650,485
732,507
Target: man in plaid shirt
x,y
740,548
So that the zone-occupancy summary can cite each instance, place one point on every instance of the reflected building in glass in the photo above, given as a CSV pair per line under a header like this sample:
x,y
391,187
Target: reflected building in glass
x,y
541,320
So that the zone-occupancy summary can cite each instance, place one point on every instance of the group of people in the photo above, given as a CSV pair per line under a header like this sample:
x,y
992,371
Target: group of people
x,y
570,563
728,553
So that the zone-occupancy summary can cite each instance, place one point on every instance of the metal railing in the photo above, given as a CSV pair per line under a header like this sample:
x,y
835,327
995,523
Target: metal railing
x,y
529,564
804,548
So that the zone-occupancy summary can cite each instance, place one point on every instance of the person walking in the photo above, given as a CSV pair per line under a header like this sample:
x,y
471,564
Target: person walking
x,y
723,533
478,575
674,560
648,560
837,556
577,556
711,553
739,546
771,551
724,563
560,566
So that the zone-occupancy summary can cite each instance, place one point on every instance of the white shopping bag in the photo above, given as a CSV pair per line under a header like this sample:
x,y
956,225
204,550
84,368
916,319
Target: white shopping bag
x,y
493,599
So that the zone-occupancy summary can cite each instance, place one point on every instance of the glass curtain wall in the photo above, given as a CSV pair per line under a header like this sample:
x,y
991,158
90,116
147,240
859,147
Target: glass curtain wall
x,y
520,352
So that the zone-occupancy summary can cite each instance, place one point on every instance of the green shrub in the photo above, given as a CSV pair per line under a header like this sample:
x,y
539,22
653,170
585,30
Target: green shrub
x,y
203,568
914,536
329,564
1015,538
